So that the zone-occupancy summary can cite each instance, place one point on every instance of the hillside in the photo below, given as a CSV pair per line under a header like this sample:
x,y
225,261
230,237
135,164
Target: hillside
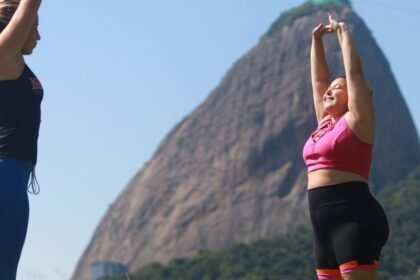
x,y
232,171
290,257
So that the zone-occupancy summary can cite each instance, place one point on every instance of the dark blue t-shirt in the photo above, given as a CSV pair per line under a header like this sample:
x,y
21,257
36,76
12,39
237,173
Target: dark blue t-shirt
x,y
20,116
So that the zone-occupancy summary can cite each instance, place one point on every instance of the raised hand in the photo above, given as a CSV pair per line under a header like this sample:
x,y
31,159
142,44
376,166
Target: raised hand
x,y
321,30
334,25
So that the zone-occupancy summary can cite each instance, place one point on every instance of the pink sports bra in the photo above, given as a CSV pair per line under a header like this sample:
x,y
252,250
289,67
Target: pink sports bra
x,y
334,145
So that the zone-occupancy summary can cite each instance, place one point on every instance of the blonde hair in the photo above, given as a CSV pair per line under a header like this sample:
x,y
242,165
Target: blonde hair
x,y
7,10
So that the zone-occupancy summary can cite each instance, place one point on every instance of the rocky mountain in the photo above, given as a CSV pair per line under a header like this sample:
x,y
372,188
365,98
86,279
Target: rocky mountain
x,y
232,170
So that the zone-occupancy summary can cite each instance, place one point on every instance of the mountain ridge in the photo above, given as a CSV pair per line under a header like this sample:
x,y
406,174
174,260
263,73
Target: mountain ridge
x,y
232,171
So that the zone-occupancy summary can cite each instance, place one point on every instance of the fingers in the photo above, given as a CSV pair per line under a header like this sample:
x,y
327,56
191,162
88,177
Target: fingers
x,y
330,18
329,29
333,23
320,26
321,30
317,30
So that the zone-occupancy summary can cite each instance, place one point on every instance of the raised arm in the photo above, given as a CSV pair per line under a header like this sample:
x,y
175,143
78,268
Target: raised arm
x,y
14,35
360,103
320,74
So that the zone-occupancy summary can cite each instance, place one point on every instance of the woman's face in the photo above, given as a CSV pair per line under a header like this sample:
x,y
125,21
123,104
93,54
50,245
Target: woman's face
x,y
32,39
335,98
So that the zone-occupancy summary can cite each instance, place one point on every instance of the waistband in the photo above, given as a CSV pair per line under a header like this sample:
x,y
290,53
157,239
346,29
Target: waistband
x,y
356,191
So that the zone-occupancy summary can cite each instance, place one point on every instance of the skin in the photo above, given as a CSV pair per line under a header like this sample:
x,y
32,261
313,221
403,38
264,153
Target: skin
x,y
32,39
330,98
19,38
350,97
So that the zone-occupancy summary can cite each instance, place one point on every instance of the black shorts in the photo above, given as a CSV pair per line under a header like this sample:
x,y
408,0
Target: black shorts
x,y
350,229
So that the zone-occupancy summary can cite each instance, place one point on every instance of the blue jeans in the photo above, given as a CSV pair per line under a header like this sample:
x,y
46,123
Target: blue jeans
x,y
14,213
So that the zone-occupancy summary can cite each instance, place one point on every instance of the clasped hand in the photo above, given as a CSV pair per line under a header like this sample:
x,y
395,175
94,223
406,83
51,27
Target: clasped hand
x,y
322,29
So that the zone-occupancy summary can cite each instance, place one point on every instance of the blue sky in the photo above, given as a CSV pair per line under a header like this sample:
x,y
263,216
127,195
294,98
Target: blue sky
x,y
118,75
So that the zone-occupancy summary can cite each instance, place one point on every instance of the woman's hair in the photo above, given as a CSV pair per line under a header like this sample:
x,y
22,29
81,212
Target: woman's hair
x,y
339,76
345,78
7,10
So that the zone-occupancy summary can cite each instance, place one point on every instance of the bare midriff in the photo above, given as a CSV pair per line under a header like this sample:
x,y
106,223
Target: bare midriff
x,y
326,177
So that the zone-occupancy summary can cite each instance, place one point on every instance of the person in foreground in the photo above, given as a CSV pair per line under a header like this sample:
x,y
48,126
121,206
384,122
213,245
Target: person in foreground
x,y
20,99
350,227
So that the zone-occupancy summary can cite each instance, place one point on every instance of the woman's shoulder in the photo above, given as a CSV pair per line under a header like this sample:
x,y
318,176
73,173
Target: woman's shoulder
x,y
362,130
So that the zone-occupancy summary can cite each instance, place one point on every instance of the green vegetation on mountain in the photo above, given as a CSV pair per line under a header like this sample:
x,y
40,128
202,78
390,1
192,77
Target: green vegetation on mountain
x,y
401,256
342,3
290,257
288,17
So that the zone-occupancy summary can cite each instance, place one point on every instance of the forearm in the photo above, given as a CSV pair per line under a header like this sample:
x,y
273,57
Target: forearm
x,y
15,34
351,59
359,98
28,9
35,3
320,75
319,67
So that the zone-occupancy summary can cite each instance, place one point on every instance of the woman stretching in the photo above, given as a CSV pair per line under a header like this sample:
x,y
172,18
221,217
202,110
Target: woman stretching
x,y
20,98
350,227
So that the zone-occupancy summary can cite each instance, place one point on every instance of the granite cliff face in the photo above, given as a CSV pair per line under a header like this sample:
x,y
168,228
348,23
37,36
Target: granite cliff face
x,y
232,170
